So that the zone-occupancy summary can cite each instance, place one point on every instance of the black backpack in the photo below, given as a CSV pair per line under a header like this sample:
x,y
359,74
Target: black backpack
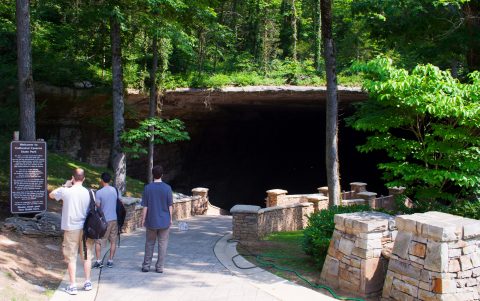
x,y
121,214
95,225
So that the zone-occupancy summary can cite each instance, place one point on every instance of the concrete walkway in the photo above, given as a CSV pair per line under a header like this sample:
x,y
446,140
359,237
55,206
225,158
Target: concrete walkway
x,y
198,267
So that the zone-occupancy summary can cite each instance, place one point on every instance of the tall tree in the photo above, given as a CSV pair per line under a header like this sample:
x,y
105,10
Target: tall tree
x,y
118,156
294,30
318,37
332,164
26,93
152,106
471,10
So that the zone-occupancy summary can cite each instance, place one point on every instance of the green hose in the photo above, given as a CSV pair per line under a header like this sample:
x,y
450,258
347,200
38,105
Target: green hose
x,y
264,263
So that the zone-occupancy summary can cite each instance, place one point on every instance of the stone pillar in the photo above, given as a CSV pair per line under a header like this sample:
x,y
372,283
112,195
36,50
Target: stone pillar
x,y
275,197
435,256
200,201
370,198
396,190
357,187
319,202
245,222
323,190
354,262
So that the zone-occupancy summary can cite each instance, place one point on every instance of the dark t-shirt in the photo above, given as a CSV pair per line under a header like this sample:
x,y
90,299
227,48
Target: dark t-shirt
x,y
157,197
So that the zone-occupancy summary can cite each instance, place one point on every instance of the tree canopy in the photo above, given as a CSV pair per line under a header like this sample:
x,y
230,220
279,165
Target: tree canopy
x,y
428,123
244,42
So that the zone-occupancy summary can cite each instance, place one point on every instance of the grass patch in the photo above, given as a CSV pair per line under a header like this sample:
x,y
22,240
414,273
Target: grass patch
x,y
283,249
60,169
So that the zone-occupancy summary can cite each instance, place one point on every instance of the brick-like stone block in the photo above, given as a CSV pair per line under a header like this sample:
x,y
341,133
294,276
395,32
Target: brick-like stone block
x,y
436,259
418,249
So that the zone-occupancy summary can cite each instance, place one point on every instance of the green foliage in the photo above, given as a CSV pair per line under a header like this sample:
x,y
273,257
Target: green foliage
x,y
163,131
318,233
466,208
428,123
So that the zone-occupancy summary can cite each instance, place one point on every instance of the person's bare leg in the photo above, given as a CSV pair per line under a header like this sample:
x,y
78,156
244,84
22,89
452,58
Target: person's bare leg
x,y
87,268
113,248
98,250
72,269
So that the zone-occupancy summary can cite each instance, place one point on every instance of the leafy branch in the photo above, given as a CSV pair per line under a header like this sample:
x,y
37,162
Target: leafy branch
x,y
162,130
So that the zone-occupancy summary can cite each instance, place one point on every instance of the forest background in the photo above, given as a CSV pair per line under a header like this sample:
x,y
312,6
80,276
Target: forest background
x,y
212,43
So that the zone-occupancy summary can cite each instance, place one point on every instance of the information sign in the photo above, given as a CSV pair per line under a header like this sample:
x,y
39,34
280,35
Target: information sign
x,y
28,176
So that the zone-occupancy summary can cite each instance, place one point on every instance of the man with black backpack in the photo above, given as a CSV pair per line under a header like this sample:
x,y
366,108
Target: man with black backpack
x,y
106,198
76,201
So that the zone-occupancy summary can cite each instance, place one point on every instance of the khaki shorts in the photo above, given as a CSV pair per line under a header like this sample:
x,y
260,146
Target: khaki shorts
x,y
73,244
110,235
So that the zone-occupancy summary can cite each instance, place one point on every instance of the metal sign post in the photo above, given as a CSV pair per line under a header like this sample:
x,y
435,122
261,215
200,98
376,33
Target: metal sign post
x,y
28,176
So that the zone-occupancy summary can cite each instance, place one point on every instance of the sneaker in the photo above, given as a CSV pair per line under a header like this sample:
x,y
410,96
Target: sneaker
x,y
87,286
71,290
110,264
159,270
145,270
97,265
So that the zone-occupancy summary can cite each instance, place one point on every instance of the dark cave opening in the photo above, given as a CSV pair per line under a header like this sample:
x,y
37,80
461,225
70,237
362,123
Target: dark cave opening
x,y
239,152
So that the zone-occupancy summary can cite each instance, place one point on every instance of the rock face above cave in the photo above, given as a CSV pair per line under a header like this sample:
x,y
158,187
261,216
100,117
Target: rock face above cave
x,y
179,102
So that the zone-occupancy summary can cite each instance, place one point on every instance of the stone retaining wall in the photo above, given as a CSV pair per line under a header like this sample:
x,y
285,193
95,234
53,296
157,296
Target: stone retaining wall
x,y
183,208
435,256
354,261
252,223
358,195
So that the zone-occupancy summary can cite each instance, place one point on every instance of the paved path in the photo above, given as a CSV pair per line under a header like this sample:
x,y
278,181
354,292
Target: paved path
x,y
198,267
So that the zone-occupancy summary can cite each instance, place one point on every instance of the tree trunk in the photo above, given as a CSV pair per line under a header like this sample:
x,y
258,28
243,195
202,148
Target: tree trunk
x,y
318,37
294,31
333,174
26,95
118,157
471,11
152,106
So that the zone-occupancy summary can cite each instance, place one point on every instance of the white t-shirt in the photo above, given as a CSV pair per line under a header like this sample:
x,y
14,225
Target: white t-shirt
x,y
75,206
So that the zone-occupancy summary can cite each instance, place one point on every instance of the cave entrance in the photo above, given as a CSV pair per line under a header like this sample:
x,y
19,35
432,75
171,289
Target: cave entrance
x,y
239,152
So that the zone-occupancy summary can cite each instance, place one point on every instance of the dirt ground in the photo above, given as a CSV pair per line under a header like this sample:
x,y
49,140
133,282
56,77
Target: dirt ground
x,y
31,268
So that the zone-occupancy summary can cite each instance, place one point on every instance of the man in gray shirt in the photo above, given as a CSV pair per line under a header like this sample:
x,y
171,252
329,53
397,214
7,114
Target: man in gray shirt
x,y
106,199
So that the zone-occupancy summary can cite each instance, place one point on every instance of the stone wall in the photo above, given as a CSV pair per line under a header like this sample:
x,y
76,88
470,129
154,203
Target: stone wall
x,y
252,223
354,261
182,208
435,256
358,195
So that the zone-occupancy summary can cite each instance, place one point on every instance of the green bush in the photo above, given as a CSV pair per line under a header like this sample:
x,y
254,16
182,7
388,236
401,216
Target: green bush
x,y
466,208
317,234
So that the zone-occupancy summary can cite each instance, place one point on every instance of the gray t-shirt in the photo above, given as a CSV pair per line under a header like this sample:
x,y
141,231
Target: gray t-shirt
x,y
107,198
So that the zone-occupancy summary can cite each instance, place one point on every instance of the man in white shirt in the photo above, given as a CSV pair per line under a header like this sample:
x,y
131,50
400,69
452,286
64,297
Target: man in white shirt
x,y
76,200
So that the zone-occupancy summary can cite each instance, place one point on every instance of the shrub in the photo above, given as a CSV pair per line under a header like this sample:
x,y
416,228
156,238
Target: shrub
x,y
317,234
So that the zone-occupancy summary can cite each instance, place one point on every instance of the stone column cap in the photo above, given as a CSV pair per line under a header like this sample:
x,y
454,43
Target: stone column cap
x,y
439,226
397,187
277,191
316,198
128,200
367,194
364,222
358,184
245,209
200,189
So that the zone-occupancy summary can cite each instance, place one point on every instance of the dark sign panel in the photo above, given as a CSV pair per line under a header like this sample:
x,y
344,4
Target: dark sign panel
x,y
28,176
